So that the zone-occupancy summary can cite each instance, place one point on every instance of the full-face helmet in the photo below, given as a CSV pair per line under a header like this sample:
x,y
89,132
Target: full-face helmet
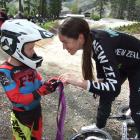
x,y
16,33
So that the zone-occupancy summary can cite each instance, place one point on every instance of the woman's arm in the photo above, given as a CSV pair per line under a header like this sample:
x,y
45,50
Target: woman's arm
x,y
73,80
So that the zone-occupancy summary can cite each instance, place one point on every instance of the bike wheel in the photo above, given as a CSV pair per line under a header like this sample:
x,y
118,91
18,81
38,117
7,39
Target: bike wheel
x,y
95,134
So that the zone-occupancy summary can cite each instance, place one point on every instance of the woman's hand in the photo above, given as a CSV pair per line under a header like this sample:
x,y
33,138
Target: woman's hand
x,y
73,80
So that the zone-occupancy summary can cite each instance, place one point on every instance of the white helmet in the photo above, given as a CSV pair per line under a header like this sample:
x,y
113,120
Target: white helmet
x,y
16,33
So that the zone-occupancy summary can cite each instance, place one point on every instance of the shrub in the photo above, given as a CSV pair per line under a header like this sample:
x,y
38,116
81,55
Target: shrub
x,y
132,29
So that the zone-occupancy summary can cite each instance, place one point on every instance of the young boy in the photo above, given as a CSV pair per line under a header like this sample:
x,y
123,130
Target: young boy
x,y
21,81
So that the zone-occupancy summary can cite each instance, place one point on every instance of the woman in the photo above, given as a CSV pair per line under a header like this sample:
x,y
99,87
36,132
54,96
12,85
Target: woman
x,y
117,57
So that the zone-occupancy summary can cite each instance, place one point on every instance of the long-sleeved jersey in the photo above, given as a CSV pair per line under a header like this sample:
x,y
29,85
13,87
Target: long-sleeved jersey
x,y
114,53
19,84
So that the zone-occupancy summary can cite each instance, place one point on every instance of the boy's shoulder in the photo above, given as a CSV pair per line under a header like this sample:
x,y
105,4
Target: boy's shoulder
x,y
5,70
6,66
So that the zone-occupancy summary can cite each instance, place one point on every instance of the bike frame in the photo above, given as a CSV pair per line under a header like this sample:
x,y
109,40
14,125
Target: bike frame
x,y
127,123
124,131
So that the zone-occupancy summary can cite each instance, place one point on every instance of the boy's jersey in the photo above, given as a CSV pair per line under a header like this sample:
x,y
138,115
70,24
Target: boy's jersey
x,y
19,82
114,53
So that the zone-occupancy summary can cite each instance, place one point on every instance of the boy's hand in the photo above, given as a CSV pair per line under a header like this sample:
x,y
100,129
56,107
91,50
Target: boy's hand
x,y
47,88
51,85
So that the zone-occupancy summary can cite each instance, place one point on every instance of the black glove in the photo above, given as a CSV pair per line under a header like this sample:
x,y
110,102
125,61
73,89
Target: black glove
x,y
47,88
52,84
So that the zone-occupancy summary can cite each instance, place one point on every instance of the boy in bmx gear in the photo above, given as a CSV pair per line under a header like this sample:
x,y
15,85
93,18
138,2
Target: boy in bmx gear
x,y
22,83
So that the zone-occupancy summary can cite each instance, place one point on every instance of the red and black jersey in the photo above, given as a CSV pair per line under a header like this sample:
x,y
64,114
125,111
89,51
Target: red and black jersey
x,y
19,84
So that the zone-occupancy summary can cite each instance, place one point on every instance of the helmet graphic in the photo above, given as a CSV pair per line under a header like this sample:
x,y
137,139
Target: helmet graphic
x,y
16,33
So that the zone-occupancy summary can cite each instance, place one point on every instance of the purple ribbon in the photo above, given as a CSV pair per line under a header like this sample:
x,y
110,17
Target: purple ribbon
x,y
61,113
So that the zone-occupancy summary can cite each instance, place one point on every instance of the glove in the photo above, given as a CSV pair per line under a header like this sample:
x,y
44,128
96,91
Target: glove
x,y
47,88
53,84
43,90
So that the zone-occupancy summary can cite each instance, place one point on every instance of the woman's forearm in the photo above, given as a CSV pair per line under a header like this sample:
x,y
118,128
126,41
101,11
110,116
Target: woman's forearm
x,y
73,80
81,83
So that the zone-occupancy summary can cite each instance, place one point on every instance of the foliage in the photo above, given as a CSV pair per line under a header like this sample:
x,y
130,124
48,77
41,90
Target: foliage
x,y
132,29
131,9
125,9
31,7
55,8
51,9
50,25
100,7
43,8
74,7
12,10
137,11
95,17
3,3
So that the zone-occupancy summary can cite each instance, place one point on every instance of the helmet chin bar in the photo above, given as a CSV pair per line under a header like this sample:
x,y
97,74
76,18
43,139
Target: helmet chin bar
x,y
33,62
39,64
38,58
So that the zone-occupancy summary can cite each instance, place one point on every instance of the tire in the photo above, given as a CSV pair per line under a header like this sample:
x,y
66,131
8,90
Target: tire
x,y
95,134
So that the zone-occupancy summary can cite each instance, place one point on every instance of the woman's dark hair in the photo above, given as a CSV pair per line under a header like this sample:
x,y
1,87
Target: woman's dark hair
x,y
72,28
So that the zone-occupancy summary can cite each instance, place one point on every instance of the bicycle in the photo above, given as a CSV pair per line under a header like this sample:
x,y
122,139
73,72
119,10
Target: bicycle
x,y
94,134
128,131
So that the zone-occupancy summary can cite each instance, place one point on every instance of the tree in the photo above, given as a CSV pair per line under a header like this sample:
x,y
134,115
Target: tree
x,y
74,7
3,3
42,8
131,8
101,7
21,5
122,7
27,6
31,7
118,8
55,8
137,11
114,7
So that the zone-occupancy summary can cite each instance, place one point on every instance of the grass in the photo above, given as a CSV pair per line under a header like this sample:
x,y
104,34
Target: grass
x,y
50,25
131,29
